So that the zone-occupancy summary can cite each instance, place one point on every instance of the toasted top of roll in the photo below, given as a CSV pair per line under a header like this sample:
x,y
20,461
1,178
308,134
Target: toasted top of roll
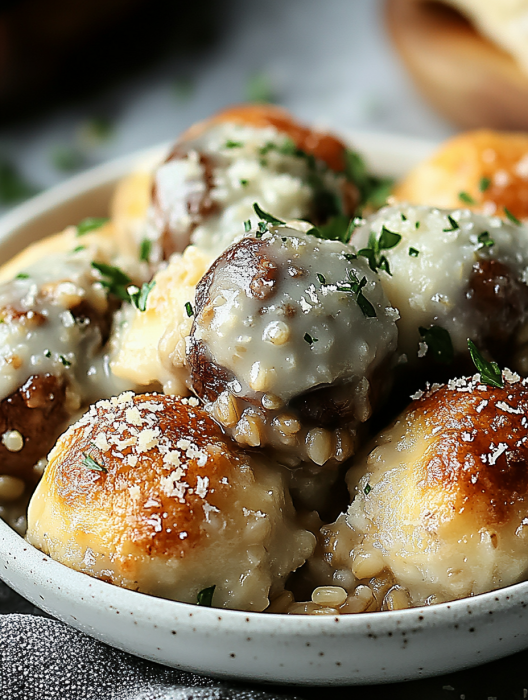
x,y
145,491
484,170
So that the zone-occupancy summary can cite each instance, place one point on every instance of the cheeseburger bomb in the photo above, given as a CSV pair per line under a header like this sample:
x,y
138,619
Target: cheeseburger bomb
x,y
291,343
439,499
146,492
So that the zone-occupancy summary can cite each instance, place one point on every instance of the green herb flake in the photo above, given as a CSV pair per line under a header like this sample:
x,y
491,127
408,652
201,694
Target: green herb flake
x,y
205,597
259,88
388,239
64,361
13,187
466,198
367,489
78,248
485,240
349,256
91,223
490,372
139,298
269,218
244,183
47,353
22,276
403,217
233,144
182,89
512,217
67,158
90,463
247,226
414,252
452,223
417,224
189,309
338,228
484,184
321,278
439,342
114,280
373,190
309,339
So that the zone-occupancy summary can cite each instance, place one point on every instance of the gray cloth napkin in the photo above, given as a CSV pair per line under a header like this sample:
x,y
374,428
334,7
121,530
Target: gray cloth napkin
x,y
43,659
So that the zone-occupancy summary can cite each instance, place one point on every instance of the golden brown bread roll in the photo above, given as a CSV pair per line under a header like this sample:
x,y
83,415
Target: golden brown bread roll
x,y
146,492
484,170
440,497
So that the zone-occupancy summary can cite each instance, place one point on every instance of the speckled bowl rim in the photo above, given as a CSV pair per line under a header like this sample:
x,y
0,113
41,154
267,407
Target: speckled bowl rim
x,y
292,649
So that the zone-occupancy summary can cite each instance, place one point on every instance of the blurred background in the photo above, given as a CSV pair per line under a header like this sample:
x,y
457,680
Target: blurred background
x,y
82,82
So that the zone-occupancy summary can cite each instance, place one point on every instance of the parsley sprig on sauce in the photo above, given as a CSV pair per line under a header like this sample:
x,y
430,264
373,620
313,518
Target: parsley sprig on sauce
x,y
490,372
118,283
373,253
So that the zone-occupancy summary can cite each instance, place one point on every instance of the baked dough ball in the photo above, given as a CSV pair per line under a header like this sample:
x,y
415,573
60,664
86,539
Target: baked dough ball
x,y
55,318
146,492
463,272
440,497
291,341
489,166
150,345
205,190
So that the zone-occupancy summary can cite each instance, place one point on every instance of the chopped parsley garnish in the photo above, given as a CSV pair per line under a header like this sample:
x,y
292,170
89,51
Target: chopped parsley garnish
x,y
349,256
512,217
233,144
490,372
386,240
403,217
247,225
485,240
466,198
144,250
244,183
484,183
338,228
367,489
189,309
90,463
414,252
13,187
417,224
453,224
114,280
78,248
47,353
91,223
310,340
373,190
321,278
439,342
64,361
22,276
269,218
139,298
205,597
182,88
259,88
354,286
67,158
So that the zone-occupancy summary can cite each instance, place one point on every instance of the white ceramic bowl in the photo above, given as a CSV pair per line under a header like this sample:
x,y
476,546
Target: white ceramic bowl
x,y
366,648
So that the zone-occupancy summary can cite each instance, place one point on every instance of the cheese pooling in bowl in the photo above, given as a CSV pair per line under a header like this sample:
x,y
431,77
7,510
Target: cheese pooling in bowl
x,y
146,492
439,497
291,343
452,274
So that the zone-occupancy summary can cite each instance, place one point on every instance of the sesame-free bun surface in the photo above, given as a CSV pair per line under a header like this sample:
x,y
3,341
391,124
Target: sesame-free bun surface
x,y
490,166
178,508
440,498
